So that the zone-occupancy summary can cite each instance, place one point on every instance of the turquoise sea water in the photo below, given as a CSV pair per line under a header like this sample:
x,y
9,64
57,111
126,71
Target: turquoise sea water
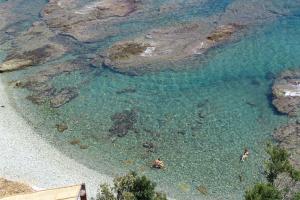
x,y
199,119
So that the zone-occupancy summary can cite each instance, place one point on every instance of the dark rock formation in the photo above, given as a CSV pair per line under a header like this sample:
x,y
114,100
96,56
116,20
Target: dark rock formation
x,y
286,92
41,95
287,186
61,127
28,58
42,90
126,90
32,47
148,145
63,96
86,21
167,44
123,122
288,138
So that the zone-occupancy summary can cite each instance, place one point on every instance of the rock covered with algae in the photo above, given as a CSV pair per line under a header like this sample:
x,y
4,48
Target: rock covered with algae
x,y
123,122
42,89
167,44
32,47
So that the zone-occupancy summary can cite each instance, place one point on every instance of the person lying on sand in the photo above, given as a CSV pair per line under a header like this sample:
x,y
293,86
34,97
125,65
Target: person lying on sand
x,y
159,164
245,155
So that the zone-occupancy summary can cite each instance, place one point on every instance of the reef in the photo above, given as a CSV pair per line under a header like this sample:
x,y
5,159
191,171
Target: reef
x,y
32,47
61,127
27,58
42,89
89,21
167,45
123,122
286,92
64,96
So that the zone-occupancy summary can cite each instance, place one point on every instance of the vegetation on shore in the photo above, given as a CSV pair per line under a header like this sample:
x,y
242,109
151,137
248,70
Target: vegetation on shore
x,y
263,191
279,163
130,187
276,164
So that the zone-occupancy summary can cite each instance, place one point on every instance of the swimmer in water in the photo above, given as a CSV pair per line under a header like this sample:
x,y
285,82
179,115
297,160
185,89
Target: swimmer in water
x,y
245,155
159,164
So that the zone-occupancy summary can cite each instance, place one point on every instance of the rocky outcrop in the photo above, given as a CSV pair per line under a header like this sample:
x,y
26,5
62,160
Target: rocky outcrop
x,y
43,91
27,58
123,122
286,92
168,44
86,21
287,186
288,137
32,47
61,127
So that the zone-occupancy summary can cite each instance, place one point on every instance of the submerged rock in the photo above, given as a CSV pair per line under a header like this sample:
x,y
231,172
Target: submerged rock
x,y
75,142
123,122
83,146
288,137
63,96
286,92
126,90
14,64
202,189
167,44
61,127
148,145
39,84
32,47
28,58
89,21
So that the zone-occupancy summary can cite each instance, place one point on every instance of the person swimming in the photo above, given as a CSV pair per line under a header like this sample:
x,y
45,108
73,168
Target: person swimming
x,y
158,163
245,155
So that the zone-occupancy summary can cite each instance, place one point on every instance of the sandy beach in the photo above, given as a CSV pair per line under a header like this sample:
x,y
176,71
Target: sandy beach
x,y
27,158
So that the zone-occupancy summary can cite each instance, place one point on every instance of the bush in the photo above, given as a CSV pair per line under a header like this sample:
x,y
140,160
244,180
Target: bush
x,y
143,189
297,196
263,191
130,187
295,174
278,163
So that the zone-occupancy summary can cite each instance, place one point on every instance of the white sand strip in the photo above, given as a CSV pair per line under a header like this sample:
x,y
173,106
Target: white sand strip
x,y
27,158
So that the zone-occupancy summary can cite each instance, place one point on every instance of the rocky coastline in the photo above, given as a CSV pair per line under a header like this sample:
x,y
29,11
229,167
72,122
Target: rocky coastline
x,y
286,100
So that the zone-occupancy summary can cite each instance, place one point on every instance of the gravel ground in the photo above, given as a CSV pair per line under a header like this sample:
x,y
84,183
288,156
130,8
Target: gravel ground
x,y
27,158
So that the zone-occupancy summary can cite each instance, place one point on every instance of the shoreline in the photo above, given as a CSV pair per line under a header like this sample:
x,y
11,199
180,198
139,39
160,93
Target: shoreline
x,y
28,158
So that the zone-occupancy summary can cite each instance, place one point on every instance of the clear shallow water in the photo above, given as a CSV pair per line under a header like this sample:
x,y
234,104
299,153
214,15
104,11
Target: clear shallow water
x,y
230,88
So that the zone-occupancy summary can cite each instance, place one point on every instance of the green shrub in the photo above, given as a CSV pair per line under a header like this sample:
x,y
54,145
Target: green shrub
x,y
263,191
296,196
277,163
105,193
130,187
295,174
143,189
